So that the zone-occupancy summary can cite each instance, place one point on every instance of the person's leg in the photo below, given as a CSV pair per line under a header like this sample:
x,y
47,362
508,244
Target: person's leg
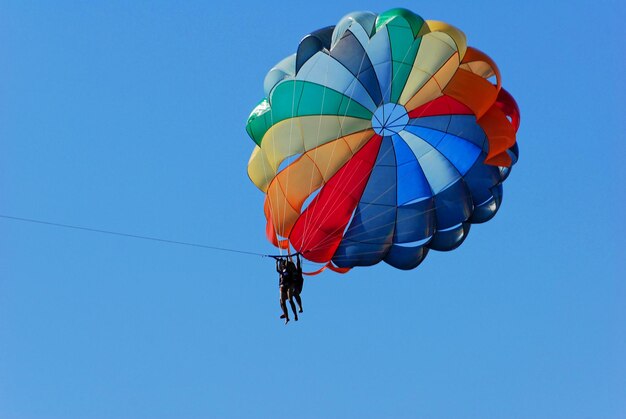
x,y
283,306
293,306
297,295
299,301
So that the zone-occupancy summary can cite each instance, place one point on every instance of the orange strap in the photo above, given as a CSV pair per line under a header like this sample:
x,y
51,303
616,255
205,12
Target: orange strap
x,y
330,266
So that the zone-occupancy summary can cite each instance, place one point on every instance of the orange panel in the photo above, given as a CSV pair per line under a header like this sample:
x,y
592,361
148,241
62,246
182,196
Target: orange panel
x,y
472,90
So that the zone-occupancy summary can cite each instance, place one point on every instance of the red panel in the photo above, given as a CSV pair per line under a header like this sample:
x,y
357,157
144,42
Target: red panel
x,y
443,105
319,229
508,105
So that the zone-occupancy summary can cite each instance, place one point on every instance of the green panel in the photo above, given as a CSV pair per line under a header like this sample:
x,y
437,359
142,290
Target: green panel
x,y
404,49
401,17
284,100
313,99
259,121
295,98
315,102
403,27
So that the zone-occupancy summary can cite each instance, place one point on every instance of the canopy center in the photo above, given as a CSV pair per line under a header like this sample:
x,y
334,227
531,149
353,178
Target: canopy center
x,y
389,119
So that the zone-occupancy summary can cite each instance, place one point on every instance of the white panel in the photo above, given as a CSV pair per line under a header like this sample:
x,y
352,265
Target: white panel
x,y
379,53
324,70
438,170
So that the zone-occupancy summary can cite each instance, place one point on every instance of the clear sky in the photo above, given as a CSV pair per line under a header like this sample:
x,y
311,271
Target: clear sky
x,y
130,117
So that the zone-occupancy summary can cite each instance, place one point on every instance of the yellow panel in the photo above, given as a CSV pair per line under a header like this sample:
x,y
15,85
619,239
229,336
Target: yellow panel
x,y
329,157
479,68
433,87
282,140
258,169
358,139
319,130
447,71
456,34
293,185
436,48
294,136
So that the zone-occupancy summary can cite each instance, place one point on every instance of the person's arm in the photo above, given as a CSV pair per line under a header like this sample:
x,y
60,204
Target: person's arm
x,y
298,263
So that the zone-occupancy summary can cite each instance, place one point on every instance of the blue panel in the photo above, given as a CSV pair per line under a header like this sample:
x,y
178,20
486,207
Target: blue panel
x,y
386,155
514,153
371,230
461,153
380,55
372,224
412,183
485,212
349,52
505,172
431,136
454,205
438,122
365,21
418,146
480,179
463,126
381,186
497,192
313,43
415,222
450,239
404,154
351,254
369,80
466,127
406,257
439,172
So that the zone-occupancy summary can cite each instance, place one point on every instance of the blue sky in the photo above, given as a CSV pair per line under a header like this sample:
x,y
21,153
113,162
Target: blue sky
x,y
131,118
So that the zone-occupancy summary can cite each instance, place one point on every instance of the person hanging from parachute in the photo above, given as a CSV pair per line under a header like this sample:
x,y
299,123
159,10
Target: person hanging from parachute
x,y
290,283
286,275
297,279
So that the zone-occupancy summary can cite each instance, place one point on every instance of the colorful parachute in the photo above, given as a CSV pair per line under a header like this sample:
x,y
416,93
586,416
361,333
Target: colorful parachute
x,y
381,138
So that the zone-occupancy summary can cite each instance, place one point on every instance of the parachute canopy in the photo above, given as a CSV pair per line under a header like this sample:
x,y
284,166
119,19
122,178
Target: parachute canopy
x,y
381,138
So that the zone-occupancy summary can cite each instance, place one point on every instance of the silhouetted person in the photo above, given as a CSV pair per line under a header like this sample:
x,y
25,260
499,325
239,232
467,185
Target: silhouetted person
x,y
285,285
298,281
292,273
